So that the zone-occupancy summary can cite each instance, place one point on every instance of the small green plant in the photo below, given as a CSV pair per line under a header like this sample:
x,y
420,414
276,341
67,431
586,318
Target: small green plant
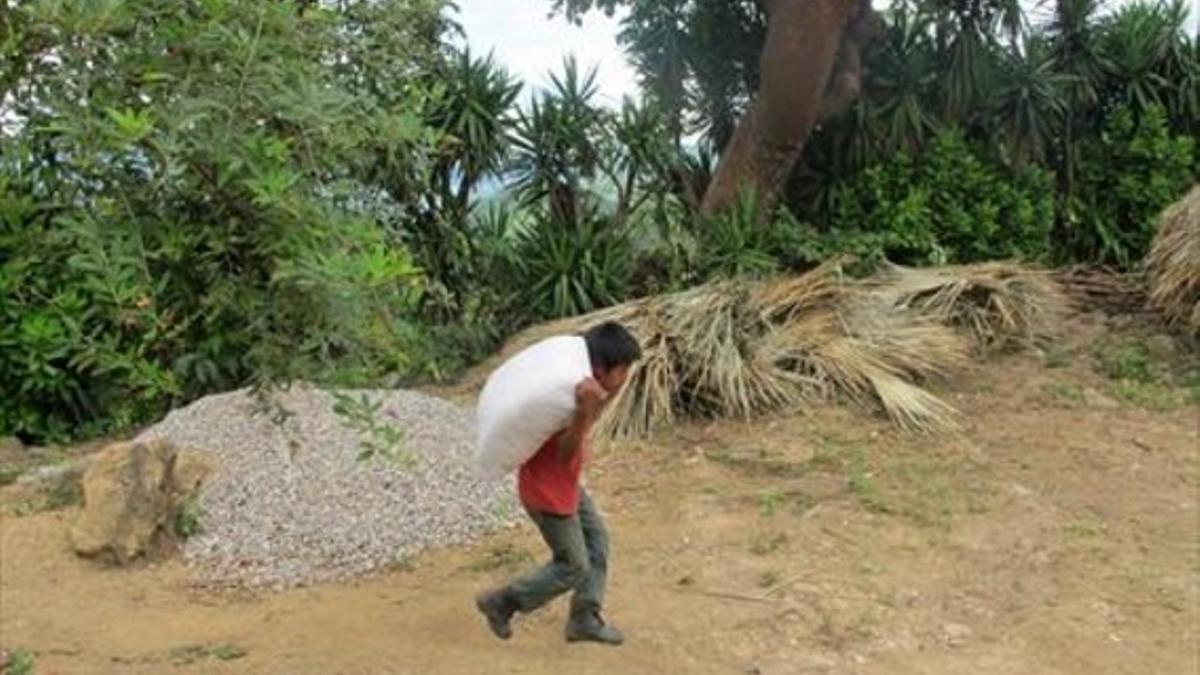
x,y
376,438
932,489
828,457
20,662
501,556
9,476
1085,528
187,519
502,511
1127,361
870,567
1057,356
269,406
1070,395
745,241
759,462
61,492
1172,602
1141,380
228,652
1191,387
769,501
862,485
64,493
764,545
768,579
189,654
1149,395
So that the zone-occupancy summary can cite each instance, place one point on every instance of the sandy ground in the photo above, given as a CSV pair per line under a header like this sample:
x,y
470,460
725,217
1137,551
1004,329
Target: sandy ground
x,y
1058,533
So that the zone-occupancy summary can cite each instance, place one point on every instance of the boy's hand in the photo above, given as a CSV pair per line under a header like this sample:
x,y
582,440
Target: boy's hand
x,y
590,398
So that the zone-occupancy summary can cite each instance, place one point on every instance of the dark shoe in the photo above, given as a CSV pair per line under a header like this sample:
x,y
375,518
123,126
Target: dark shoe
x,y
499,611
589,627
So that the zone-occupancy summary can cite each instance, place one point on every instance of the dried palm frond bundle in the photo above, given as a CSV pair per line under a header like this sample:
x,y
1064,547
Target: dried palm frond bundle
x,y
1001,305
1174,264
739,348
1103,288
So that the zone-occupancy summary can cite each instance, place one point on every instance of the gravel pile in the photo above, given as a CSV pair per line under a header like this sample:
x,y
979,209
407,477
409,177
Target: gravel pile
x,y
291,503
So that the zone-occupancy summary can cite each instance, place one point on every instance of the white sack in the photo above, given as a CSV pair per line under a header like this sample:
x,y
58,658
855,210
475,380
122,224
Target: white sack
x,y
527,400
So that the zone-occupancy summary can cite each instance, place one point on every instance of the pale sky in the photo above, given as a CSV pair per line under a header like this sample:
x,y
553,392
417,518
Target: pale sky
x,y
529,43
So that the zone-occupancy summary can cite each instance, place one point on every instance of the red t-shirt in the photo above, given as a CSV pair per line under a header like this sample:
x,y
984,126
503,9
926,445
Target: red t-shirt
x,y
548,484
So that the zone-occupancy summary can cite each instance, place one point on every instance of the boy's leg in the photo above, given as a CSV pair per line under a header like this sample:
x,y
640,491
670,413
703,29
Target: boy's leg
x,y
568,567
585,623
589,596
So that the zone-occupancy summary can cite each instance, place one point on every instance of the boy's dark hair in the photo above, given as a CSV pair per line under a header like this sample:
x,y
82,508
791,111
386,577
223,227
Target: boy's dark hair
x,y
610,345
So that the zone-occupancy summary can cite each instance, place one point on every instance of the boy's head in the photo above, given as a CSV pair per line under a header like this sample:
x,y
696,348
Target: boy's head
x,y
612,350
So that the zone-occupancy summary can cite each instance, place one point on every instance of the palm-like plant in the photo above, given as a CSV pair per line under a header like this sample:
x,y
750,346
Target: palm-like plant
x,y
1181,67
1075,45
692,172
473,116
1029,102
556,143
902,78
736,244
1137,42
638,157
1185,105
565,271
967,33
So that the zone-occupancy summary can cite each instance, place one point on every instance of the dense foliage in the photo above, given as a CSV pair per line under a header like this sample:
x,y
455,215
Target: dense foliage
x,y
947,204
188,201
196,196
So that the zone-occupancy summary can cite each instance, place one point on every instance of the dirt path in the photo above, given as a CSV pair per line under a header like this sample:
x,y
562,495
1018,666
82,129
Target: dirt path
x,y
1060,533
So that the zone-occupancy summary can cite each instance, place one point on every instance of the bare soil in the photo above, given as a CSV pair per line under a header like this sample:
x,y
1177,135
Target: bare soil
x,y
1058,533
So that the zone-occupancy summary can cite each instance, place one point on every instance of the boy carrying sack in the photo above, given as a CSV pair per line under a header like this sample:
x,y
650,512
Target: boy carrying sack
x,y
549,487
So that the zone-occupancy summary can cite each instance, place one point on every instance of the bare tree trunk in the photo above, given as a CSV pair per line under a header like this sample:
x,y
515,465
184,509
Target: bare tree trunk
x,y
810,69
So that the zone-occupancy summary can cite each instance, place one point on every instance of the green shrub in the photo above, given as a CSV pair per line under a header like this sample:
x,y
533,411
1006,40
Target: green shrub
x,y
947,205
188,519
1133,170
206,219
20,662
1126,361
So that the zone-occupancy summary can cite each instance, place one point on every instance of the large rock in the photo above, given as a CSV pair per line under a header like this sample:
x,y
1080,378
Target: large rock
x,y
131,493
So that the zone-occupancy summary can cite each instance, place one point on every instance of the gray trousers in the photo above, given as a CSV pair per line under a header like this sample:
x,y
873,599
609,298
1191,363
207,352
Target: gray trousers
x,y
579,563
